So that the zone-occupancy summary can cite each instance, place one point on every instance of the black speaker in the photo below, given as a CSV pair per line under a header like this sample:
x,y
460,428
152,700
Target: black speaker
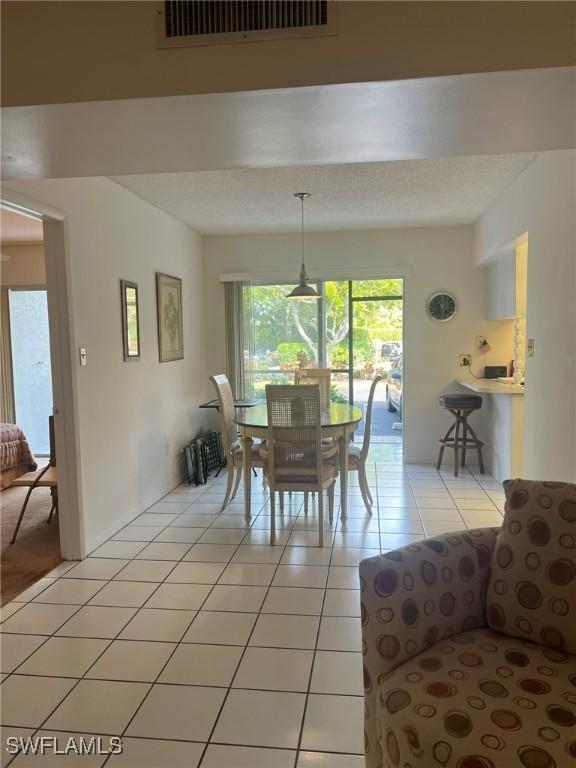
x,y
495,371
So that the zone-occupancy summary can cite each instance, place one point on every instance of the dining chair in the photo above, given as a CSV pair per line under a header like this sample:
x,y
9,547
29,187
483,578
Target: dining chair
x,y
294,458
40,478
357,456
321,376
233,450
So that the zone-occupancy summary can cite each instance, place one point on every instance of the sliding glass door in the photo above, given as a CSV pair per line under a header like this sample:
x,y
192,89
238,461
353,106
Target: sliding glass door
x,y
32,376
355,329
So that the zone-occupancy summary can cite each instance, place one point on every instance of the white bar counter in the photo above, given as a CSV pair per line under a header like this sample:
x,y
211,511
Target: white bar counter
x,y
504,419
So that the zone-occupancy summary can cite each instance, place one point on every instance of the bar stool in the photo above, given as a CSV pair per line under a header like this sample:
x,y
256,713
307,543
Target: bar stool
x,y
460,406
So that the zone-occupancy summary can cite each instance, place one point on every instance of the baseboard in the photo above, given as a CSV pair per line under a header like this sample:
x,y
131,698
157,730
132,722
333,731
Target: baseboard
x,y
117,525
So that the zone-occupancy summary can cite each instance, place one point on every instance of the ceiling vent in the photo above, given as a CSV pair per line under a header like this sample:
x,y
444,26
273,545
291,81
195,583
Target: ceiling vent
x,y
211,22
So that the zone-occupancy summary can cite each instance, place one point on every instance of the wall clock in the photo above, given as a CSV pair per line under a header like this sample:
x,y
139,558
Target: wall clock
x,y
441,306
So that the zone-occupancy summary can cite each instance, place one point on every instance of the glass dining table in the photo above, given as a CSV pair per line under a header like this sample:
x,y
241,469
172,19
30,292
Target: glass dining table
x,y
339,422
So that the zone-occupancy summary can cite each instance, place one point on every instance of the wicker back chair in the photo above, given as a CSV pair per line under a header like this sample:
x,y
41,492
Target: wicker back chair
x,y
320,376
294,459
230,439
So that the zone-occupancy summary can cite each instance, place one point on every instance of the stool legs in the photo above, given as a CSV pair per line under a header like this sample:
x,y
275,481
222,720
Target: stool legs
x,y
468,439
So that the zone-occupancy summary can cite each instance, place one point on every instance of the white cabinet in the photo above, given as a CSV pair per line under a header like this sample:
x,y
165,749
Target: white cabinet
x,y
501,291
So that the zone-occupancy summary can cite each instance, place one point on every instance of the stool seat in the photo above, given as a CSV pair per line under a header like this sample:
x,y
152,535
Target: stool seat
x,y
468,402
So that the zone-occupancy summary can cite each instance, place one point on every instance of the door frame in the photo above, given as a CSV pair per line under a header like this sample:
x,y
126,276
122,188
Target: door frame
x,y
64,372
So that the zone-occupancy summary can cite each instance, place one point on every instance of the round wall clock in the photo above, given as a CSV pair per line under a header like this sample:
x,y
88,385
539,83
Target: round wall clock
x,y
441,306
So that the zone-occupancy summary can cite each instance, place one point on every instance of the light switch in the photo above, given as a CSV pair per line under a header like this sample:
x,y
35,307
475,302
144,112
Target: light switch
x,y
83,359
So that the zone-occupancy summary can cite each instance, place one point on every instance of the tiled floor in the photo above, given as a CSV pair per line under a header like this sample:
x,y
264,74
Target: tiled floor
x,y
201,645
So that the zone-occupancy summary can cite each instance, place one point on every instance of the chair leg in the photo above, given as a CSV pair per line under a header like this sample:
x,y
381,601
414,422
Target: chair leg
x,y
22,514
228,485
331,503
281,494
272,517
52,508
237,483
456,437
464,438
363,488
443,445
321,518
305,502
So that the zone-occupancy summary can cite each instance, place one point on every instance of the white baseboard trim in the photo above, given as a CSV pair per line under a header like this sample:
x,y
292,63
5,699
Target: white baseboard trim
x,y
117,525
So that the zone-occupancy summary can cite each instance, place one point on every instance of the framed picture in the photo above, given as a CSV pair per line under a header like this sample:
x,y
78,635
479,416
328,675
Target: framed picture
x,y
130,320
169,306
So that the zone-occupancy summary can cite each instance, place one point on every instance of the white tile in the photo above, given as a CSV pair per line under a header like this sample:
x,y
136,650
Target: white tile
x,y
334,723
38,619
306,556
33,591
187,596
182,535
121,549
225,597
131,660
178,712
70,591
401,526
221,756
96,621
231,521
196,573
127,594
7,732
278,669
441,515
340,633
397,513
64,657
145,570
27,701
278,631
9,609
204,507
358,524
343,577
352,557
341,602
96,568
482,516
222,628
15,648
337,672
138,533
436,504
163,551
262,538
195,521
438,527
255,574
150,753
301,576
97,706
222,536
390,541
247,553
170,506
61,569
158,624
294,600
329,760
210,553
309,538
261,718
196,664
474,504
149,518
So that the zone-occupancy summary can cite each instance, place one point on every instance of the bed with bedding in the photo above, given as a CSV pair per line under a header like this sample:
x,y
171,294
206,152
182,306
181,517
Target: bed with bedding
x,y
15,455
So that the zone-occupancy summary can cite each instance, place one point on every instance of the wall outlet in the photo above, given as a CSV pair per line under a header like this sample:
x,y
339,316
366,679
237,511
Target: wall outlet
x,y
480,340
465,361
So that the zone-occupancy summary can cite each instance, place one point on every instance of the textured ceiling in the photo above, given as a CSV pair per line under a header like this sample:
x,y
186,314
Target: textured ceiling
x,y
407,193
15,228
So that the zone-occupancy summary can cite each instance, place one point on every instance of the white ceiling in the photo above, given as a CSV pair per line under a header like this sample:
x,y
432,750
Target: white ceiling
x,y
456,116
441,192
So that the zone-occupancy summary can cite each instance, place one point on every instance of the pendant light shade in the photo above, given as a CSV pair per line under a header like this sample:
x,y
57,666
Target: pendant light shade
x,y
303,291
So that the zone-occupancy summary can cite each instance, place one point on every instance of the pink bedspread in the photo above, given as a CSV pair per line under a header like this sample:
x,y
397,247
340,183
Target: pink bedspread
x,y
14,449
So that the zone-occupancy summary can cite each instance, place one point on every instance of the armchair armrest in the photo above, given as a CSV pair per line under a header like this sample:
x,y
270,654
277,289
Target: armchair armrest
x,y
412,598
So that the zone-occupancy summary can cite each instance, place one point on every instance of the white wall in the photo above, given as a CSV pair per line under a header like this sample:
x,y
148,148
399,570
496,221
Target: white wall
x,y
432,258
541,202
22,265
132,418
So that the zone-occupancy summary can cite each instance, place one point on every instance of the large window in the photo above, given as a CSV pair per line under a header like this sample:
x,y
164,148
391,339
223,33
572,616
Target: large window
x,y
355,329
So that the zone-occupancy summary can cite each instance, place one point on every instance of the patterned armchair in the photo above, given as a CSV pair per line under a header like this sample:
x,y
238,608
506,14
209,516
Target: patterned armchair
x,y
469,641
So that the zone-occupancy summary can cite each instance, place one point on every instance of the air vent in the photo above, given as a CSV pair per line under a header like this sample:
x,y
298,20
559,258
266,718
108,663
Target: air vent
x,y
204,22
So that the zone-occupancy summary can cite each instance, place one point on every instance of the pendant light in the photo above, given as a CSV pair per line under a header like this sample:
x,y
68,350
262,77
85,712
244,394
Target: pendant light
x,y
303,291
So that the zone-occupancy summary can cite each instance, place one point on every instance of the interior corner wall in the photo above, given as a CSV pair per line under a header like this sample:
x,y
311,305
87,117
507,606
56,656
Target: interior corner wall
x,y
23,265
541,202
133,418
433,259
